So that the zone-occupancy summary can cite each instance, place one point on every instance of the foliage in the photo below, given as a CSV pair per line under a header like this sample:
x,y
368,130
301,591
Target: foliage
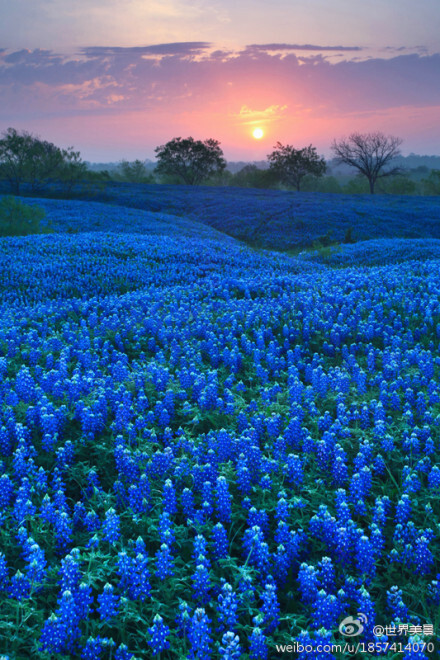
x,y
18,219
397,185
431,185
192,161
324,248
356,186
251,176
324,184
134,172
72,170
369,153
26,159
292,165
348,238
15,154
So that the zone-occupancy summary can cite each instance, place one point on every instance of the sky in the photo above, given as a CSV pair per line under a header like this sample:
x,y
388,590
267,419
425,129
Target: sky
x,y
117,78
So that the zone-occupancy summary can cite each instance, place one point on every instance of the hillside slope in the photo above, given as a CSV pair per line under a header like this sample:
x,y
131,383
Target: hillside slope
x,y
286,220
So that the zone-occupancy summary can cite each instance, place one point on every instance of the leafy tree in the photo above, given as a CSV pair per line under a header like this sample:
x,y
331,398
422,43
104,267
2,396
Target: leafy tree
x,y
251,176
134,172
44,162
15,150
73,170
399,185
25,158
356,186
327,184
292,165
369,153
431,185
192,161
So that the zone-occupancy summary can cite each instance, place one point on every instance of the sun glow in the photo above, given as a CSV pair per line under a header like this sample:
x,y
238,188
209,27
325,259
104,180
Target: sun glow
x,y
258,133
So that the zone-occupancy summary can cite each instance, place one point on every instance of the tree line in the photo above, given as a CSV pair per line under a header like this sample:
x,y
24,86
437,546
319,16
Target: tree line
x,y
27,159
370,154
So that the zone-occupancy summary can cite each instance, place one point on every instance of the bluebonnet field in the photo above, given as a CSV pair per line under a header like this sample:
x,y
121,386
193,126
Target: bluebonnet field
x,y
375,252
284,220
208,450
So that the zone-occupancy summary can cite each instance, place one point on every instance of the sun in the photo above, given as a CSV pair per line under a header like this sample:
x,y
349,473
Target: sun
x,y
258,133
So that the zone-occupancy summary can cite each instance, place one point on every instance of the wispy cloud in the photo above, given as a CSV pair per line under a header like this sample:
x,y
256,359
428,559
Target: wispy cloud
x,y
180,48
300,47
247,116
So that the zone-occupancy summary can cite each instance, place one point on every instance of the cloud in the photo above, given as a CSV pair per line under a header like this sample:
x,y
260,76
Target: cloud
x,y
180,48
283,47
247,116
197,84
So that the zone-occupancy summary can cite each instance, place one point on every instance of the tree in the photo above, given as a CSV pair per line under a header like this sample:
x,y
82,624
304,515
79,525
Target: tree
x,y
192,161
73,169
25,158
134,172
44,162
431,185
370,153
15,150
251,176
292,165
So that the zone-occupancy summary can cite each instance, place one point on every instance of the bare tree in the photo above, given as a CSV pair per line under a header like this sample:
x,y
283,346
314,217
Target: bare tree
x,y
369,153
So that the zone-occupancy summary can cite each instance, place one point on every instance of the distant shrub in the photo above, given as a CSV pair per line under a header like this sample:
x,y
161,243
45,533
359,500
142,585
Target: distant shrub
x,y
431,185
325,247
325,184
325,240
356,186
397,185
18,219
348,238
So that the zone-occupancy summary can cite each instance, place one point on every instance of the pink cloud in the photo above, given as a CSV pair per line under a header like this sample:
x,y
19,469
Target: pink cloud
x,y
106,98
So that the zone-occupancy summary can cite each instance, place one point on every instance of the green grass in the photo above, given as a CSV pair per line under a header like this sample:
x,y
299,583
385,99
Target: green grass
x,y
18,219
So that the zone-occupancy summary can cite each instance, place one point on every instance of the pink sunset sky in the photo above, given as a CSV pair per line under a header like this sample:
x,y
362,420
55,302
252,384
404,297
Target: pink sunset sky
x,y
117,78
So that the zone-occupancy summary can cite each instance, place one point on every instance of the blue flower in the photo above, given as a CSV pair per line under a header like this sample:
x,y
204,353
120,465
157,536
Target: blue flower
x,y
270,608
326,610
258,645
108,603
164,562
227,608
223,500
19,587
230,647
423,557
53,635
201,585
308,579
199,635
415,649
111,528
219,541
396,606
158,635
